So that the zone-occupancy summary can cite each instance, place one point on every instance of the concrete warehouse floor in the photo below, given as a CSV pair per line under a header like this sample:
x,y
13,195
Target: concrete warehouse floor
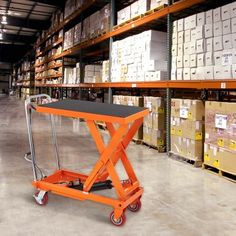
x,y
178,200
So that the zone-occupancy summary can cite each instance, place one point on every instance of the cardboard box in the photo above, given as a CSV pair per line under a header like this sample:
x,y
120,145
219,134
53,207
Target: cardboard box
x,y
211,156
233,9
174,50
147,134
194,150
227,161
208,31
186,60
209,45
227,27
179,62
201,19
227,57
234,70
225,12
218,58
200,59
209,17
218,72
192,129
179,74
227,72
193,74
217,15
233,25
187,49
180,25
158,121
218,29
157,138
186,74
181,37
180,49
200,46
200,73
193,47
218,43
199,32
193,35
209,72
227,41
174,38
175,107
233,38
209,58
187,36
193,60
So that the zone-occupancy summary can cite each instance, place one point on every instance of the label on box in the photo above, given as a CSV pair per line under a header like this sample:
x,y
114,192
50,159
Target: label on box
x,y
190,115
198,136
160,110
215,151
206,157
149,106
221,121
172,131
220,142
227,59
183,112
130,103
232,144
216,163
206,135
179,132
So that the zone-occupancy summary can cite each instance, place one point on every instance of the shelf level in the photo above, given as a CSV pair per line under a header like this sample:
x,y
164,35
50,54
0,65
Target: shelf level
x,y
197,84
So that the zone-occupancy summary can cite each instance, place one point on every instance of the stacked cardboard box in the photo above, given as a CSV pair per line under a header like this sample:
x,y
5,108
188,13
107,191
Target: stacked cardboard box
x,y
71,6
187,128
154,123
140,57
105,71
220,137
93,74
137,8
130,101
204,45
72,74
90,27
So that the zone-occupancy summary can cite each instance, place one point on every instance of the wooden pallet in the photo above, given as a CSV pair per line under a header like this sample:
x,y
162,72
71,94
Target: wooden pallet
x,y
195,163
160,149
219,172
155,9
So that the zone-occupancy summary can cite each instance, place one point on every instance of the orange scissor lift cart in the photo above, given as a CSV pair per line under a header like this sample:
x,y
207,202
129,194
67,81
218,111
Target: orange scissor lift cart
x,y
103,175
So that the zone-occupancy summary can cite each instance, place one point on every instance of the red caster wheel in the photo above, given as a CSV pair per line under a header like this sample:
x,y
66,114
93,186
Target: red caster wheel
x,y
134,207
118,222
41,200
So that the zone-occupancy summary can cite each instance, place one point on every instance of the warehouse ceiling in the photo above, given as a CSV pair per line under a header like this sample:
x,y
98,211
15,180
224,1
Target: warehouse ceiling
x,y
20,23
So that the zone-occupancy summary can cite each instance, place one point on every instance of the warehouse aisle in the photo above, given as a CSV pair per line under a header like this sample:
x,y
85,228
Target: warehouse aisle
x,y
179,199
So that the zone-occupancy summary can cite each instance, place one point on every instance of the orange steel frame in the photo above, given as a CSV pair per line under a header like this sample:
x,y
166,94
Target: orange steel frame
x,y
128,191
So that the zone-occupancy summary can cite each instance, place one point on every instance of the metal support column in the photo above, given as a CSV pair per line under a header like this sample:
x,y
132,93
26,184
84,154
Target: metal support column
x,y
168,90
113,22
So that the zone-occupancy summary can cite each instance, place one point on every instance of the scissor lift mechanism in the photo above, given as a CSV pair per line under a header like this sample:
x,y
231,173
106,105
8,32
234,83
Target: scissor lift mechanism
x,y
103,176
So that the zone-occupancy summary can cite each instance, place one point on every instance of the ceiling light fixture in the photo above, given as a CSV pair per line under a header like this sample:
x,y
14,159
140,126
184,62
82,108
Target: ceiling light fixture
x,y
4,20
1,36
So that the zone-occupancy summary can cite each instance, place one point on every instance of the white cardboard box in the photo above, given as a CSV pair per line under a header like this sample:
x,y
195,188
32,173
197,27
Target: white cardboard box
x,y
174,50
227,57
217,15
174,63
201,19
227,27
208,30
233,25
187,49
218,72
209,72
233,37
218,43
227,41
186,74
180,37
227,72
233,56
233,9
193,46
234,71
209,59
173,74
186,61
180,25
187,36
193,60
179,74
218,28
209,17
175,26
179,62
193,21
200,73
193,74
175,38
218,58
209,45
225,12
200,60
200,46
193,35
199,32
180,49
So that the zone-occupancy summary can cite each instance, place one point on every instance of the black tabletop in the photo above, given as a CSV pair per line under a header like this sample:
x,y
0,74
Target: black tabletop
x,y
95,108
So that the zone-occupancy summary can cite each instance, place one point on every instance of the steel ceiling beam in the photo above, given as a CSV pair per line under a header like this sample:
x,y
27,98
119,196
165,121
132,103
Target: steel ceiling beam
x,y
28,23
56,3
19,38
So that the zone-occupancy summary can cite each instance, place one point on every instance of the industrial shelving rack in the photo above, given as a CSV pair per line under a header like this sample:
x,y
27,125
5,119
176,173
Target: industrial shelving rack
x,y
159,19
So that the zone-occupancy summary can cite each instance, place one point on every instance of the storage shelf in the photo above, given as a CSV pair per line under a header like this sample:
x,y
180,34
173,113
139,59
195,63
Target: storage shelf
x,y
142,21
50,59
49,77
48,48
50,67
66,21
197,84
